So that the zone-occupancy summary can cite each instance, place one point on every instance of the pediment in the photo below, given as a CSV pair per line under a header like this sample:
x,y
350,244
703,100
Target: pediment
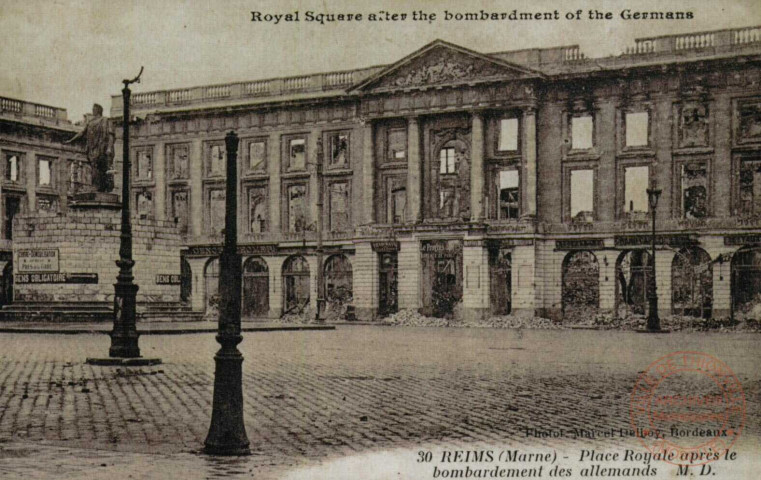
x,y
441,63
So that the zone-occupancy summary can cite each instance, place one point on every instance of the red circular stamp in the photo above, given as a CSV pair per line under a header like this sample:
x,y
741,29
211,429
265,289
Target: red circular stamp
x,y
687,408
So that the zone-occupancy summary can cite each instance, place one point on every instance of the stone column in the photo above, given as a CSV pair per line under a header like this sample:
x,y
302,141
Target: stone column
x,y
529,146
275,267
314,135
31,181
368,174
159,177
365,281
409,274
273,167
414,199
477,168
476,288
196,188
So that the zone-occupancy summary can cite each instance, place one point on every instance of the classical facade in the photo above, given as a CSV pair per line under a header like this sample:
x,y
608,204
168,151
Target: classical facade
x,y
464,183
38,172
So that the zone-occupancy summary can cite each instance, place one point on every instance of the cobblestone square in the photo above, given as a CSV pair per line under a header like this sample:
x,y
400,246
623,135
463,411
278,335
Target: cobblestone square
x,y
314,396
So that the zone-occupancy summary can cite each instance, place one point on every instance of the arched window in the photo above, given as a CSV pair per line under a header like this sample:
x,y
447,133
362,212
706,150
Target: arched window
x,y
211,282
692,283
634,279
581,284
296,284
256,288
338,280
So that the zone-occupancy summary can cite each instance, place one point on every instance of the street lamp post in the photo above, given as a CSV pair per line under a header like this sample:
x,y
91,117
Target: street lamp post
x,y
653,321
227,433
124,337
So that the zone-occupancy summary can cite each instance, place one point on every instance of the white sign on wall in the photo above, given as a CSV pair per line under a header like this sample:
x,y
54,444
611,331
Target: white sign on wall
x,y
37,260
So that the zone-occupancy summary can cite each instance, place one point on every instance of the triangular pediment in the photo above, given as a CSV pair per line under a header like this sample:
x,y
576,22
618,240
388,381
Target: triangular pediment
x,y
441,63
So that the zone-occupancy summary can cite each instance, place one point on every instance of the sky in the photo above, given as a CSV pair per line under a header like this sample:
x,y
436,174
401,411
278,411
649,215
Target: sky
x,y
73,53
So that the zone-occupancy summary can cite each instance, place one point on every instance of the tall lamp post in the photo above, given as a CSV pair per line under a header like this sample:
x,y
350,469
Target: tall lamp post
x,y
653,321
227,433
124,336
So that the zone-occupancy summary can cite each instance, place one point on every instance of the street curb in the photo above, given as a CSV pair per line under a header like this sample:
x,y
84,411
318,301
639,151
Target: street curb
x,y
81,331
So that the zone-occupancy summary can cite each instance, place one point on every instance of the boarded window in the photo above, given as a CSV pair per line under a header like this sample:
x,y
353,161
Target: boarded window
x,y
297,154
581,132
637,125
508,135
216,163
339,207
636,181
507,194
297,215
257,156
694,191
216,211
750,188
339,150
397,145
44,171
179,212
582,193
257,210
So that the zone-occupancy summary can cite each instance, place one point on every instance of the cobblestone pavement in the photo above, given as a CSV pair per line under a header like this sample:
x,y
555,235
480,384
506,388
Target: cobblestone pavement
x,y
316,395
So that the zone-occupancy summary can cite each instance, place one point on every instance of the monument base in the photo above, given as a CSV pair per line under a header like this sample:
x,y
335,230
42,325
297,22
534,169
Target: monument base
x,y
96,200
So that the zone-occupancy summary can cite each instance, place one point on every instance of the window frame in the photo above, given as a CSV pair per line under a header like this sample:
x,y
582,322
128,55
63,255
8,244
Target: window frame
x,y
567,193
246,158
137,151
621,210
495,174
328,145
51,171
678,199
286,153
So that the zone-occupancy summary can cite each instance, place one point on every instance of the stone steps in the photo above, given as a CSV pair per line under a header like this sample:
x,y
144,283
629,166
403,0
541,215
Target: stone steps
x,y
92,312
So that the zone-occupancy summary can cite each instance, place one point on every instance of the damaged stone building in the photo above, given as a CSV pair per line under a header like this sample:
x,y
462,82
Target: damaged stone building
x,y
466,183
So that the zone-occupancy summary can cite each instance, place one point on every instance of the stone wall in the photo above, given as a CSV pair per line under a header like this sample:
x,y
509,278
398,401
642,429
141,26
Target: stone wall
x,y
87,241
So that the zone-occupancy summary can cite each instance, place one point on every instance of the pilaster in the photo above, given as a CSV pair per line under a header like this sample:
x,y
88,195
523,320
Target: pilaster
x,y
477,168
413,170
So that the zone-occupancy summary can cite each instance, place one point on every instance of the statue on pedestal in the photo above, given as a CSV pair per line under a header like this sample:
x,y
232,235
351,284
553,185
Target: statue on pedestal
x,y
99,134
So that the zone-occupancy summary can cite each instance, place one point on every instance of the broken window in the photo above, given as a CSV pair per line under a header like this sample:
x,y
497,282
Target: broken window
x,y
297,154
44,171
636,181
693,131
216,211
508,135
144,165
582,194
750,121
145,204
339,150
454,181
216,164
257,156
257,210
397,145
338,285
397,200
637,126
211,283
634,281
339,207
296,281
694,190
297,214
581,285
692,283
750,187
507,194
581,132
746,283
179,212
179,162
12,167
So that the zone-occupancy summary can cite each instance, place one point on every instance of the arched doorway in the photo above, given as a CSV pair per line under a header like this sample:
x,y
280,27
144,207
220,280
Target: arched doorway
x,y
746,283
500,281
634,279
211,283
339,284
581,285
6,293
186,281
296,284
692,283
256,288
